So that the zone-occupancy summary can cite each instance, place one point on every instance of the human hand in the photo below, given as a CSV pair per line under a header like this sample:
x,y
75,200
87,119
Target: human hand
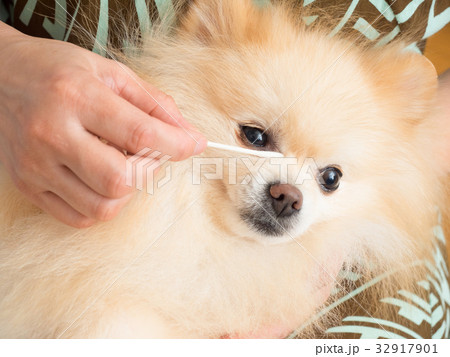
x,y
56,99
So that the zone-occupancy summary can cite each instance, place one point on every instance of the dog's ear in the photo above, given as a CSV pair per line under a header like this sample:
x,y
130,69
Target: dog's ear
x,y
221,21
406,82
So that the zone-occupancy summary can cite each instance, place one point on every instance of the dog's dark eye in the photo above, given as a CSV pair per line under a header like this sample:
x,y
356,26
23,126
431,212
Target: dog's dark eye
x,y
329,178
255,136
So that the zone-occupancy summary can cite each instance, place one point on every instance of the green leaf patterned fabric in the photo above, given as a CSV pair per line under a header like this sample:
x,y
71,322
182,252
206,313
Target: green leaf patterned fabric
x,y
378,20
424,313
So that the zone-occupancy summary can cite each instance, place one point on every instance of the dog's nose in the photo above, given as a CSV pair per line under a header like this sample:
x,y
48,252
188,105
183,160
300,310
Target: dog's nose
x,y
286,199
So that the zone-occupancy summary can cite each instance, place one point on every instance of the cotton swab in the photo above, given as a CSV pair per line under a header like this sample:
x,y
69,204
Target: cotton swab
x,y
244,151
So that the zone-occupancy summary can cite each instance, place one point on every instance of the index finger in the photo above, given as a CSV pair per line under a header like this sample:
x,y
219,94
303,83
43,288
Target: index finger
x,y
128,127
145,96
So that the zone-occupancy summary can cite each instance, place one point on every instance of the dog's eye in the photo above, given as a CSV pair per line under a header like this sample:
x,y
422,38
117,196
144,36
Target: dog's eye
x,y
255,136
329,178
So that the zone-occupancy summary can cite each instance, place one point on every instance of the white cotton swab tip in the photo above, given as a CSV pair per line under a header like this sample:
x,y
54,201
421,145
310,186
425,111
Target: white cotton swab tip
x,y
244,151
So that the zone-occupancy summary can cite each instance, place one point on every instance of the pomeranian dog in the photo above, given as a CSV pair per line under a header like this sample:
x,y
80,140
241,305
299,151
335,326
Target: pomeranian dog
x,y
255,244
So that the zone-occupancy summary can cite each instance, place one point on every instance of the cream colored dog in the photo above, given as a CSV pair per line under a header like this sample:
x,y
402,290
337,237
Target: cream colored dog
x,y
235,255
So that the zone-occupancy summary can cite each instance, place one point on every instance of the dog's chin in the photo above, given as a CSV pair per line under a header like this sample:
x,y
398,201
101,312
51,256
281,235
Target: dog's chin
x,y
269,229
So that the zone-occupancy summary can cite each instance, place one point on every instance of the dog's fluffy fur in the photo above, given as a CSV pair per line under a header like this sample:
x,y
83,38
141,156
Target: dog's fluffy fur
x,y
183,262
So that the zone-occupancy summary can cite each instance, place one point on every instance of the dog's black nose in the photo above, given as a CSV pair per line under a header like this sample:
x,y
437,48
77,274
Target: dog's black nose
x,y
286,199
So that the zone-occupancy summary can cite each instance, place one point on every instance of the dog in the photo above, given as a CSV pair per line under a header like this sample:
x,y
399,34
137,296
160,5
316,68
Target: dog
x,y
259,246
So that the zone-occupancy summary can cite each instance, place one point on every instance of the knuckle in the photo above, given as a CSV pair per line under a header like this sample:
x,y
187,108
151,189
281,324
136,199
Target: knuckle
x,y
35,129
38,133
116,185
20,184
56,142
62,83
106,210
141,136
25,166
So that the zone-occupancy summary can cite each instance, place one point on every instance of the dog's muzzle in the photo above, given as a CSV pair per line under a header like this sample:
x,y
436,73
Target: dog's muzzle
x,y
276,211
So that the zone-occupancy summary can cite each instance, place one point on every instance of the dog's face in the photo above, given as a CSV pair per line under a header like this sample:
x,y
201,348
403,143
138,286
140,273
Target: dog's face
x,y
338,114
325,128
